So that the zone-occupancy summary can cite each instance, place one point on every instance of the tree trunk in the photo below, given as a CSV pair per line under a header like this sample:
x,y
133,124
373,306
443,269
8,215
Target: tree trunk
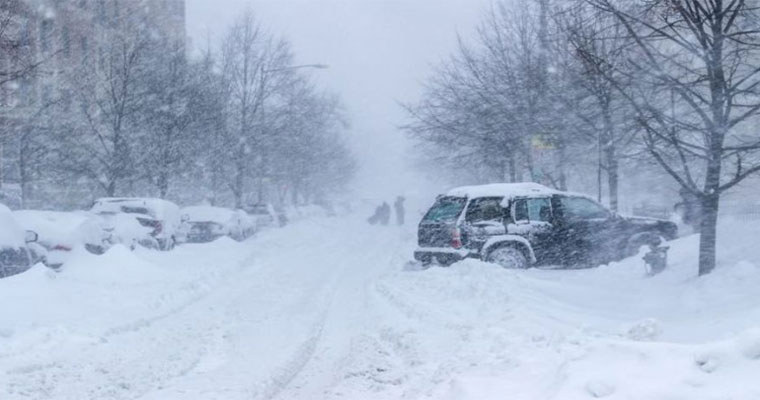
x,y
111,188
529,160
1,160
512,168
708,233
612,176
562,166
163,184
22,171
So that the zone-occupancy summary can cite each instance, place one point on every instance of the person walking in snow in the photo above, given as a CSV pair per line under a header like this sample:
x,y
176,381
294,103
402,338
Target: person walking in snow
x,y
377,216
385,214
399,206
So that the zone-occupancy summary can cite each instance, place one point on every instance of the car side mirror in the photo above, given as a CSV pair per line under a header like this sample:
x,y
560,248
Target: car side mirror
x,y
31,237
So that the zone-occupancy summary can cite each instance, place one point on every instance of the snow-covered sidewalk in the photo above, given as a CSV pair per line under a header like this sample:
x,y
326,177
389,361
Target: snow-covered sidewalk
x,y
325,309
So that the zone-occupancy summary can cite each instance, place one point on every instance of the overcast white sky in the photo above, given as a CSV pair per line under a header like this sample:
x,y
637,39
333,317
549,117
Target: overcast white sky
x,y
379,51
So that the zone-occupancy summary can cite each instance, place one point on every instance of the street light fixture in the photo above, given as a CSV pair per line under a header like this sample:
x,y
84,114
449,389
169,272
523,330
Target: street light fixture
x,y
290,68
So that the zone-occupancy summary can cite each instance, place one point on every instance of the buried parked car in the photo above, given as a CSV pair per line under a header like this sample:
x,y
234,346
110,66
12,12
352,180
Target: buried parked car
x,y
152,223
266,215
207,223
16,256
61,232
521,224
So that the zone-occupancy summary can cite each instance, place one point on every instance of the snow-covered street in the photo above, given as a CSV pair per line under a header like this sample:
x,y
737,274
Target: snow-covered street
x,y
324,308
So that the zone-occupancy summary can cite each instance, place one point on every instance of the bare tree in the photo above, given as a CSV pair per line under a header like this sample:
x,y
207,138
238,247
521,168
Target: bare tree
x,y
598,46
494,103
18,62
175,98
17,57
699,94
250,55
112,98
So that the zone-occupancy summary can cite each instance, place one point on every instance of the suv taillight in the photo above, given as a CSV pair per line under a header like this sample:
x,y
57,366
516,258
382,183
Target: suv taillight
x,y
456,238
151,223
159,228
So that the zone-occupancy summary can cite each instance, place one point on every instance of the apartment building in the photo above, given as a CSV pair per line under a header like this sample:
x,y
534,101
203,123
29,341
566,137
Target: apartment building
x,y
62,39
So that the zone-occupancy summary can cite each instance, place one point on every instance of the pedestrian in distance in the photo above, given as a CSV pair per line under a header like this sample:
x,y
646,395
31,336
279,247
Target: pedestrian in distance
x,y
399,206
377,216
385,214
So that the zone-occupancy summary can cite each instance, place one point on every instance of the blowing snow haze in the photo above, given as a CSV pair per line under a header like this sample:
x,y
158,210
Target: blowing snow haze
x,y
379,52
379,199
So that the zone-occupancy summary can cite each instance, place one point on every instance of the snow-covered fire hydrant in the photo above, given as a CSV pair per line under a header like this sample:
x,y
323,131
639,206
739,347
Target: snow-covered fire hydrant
x,y
657,258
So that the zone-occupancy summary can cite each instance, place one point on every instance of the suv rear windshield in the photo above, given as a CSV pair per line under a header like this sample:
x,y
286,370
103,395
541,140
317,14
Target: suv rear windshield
x,y
135,210
445,209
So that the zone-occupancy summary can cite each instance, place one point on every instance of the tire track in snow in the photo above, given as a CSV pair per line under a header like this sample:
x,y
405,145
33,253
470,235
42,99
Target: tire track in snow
x,y
355,317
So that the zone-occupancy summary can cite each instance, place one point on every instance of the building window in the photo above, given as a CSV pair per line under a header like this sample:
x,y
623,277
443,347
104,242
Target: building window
x,y
47,95
26,34
102,59
25,92
83,46
66,100
102,10
46,27
66,41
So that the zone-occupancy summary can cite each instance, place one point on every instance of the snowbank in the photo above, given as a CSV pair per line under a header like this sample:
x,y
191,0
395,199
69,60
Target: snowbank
x,y
95,296
609,332
11,234
208,213
324,308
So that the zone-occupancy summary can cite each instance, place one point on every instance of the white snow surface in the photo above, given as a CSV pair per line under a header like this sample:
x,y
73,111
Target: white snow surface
x,y
325,308
11,234
208,213
62,228
503,189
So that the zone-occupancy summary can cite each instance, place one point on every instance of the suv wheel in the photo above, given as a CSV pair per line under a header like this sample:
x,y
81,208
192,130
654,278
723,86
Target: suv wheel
x,y
634,243
508,257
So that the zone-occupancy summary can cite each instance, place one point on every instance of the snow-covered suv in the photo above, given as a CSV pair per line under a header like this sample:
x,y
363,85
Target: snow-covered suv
x,y
520,224
159,222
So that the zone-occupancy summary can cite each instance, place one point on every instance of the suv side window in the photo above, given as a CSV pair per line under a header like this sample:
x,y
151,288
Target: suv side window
x,y
484,209
579,208
540,209
533,209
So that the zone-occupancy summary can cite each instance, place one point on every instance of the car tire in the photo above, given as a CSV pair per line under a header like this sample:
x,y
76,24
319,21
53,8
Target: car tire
x,y
634,243
171,243
508,257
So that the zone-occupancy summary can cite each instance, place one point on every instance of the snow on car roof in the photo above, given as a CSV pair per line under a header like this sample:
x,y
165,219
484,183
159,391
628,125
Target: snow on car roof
x,y
149,202
208,213
59,227
162,208
502,190
11,234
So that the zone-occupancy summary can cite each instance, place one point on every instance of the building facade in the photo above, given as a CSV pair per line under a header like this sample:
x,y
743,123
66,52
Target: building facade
x,y
61,40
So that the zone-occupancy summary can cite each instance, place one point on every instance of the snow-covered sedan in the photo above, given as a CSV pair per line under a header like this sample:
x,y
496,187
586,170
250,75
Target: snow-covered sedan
x,y
152,223
266,215
61,232
207,223
15,255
